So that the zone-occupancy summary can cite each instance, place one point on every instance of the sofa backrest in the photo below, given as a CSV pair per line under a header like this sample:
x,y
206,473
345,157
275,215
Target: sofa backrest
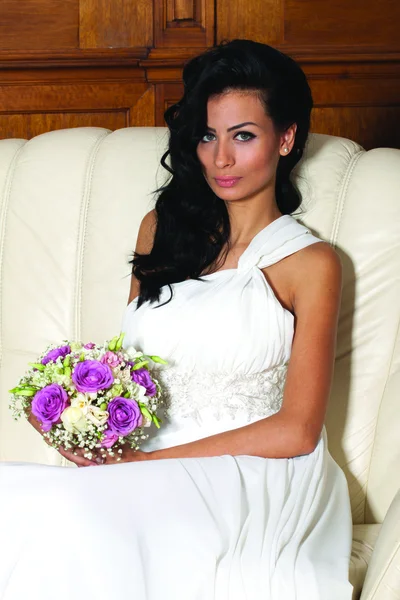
x,y
71,202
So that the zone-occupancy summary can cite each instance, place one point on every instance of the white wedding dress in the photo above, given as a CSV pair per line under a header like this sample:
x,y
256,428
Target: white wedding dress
x,y
223,528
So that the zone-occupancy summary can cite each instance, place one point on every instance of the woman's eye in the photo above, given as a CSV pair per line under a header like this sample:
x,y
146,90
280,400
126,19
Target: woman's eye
x,y
247,135
207,135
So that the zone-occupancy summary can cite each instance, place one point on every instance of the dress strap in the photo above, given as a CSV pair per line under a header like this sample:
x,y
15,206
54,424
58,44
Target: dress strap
x,y
279,239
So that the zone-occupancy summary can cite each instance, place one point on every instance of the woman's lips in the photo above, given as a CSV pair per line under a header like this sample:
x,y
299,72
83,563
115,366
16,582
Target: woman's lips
x,y
227,181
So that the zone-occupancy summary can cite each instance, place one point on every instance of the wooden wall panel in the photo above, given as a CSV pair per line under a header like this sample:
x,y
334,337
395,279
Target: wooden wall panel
x,y
258,20
119,62
370,126
183,23
28,108
115,23
28,125
354,22
38,24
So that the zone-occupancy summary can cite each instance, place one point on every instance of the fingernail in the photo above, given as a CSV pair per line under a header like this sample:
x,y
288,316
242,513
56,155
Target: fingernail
x,y
99,461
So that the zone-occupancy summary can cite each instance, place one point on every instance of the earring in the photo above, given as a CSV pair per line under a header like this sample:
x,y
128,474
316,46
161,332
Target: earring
x,y
286,150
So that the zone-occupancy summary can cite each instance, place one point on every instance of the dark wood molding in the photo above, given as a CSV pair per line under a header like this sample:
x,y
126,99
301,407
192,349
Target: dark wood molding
x,y
173,58
107,57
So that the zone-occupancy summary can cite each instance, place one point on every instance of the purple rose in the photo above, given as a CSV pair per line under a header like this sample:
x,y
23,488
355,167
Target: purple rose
x,y
142,377
124,415
109,438
48,404
54,354
91,376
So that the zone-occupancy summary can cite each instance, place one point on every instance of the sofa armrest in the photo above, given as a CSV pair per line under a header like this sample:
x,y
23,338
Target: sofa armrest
x,y
382,581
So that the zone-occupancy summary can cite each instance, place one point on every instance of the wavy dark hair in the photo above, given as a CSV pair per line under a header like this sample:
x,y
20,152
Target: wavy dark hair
x,y
193,227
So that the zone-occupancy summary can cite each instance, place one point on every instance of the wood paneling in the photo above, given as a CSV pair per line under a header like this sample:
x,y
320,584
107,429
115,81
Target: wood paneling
x,y
356,22
65,63
29,107
115,23
142,113
258,20
166,94
77,96
28,125
38,24
183,23
370,126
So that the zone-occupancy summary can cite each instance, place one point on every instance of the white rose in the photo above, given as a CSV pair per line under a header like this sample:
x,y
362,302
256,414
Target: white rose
x,y
74,420
97,416
81,401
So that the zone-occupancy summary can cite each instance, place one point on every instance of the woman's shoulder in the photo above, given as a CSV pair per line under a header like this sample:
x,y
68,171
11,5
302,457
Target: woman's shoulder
x,y
147,228
316,271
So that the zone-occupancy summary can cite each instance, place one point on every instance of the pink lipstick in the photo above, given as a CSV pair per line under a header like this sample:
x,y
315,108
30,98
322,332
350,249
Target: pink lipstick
x,y
227,181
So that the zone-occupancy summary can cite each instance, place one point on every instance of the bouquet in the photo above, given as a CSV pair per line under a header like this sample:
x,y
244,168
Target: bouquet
x,y
95,397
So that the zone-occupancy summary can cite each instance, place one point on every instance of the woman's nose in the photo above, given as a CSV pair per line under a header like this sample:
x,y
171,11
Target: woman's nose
x,y
223,156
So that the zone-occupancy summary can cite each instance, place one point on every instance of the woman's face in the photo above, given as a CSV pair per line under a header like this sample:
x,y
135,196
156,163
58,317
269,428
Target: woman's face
x,y
241,148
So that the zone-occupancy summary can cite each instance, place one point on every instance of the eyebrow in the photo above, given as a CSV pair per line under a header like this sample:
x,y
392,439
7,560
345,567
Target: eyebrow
x,y
236,126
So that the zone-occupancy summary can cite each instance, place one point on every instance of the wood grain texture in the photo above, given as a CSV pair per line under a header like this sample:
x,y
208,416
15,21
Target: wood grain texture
x,y
166,94
258,20
28,125
115,23
356,22
38,24
370,126
66,96
184,23
142,114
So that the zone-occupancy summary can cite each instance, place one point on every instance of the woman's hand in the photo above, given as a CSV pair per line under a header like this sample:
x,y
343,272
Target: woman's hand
x,y
128,455
77,458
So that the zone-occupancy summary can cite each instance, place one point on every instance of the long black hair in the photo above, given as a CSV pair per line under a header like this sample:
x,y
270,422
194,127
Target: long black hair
x,y
193,227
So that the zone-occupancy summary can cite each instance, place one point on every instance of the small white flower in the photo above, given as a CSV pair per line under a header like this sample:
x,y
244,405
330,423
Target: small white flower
x,y
132,352
81,401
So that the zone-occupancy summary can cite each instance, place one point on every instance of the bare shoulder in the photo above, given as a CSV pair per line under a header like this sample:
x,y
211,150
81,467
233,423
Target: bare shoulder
x,y
320,256
316,275
144,244
145,238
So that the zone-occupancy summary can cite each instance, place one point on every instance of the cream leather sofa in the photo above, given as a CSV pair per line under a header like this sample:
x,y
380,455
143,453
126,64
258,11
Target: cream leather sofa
x,y
70,205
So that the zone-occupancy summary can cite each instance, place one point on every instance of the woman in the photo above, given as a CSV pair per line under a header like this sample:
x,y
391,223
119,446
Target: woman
x,y
237,496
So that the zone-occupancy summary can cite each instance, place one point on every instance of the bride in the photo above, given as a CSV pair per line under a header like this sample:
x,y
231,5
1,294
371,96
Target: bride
x,y
237,496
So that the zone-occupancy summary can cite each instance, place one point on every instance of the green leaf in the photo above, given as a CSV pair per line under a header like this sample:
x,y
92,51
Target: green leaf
x,y
140,364
156,421
67,371
157,359
145,412
113,343
67,361
25,392
14,390
37,366
118,345
82,357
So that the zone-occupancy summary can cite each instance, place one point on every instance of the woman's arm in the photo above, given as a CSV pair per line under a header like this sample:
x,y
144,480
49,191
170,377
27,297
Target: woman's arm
x,y
295,429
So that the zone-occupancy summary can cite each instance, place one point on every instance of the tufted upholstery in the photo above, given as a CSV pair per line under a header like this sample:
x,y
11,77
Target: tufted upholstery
x,y
70,205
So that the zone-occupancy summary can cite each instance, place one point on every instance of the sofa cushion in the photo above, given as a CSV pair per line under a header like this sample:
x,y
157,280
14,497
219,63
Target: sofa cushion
x,y
364,538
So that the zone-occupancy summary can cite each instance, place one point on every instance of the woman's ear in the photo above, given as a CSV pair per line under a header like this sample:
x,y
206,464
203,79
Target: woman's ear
x,y
287,140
